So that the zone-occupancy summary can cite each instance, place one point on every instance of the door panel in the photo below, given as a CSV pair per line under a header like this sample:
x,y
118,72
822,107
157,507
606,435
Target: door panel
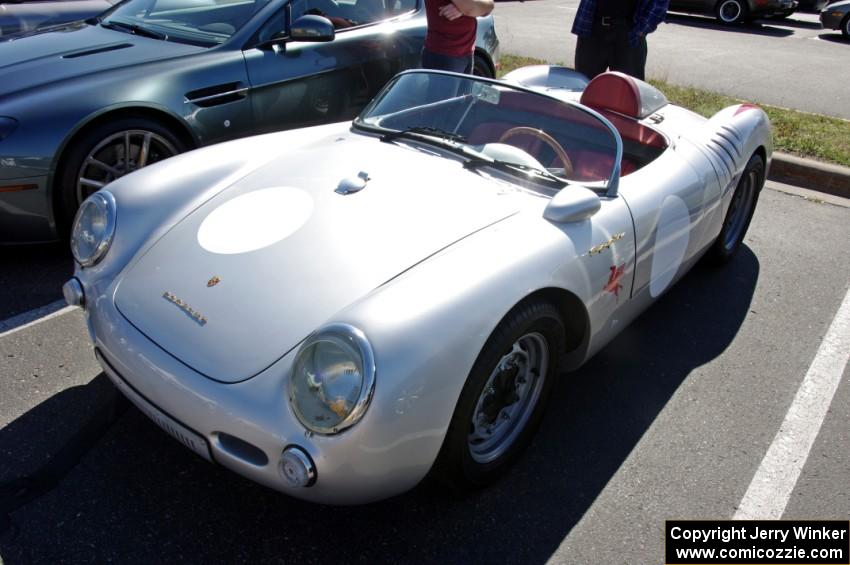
x,y
672,214
306,83
605,249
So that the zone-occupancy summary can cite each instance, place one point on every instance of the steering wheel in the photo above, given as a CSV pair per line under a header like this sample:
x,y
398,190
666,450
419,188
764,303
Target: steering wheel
x,y
560,153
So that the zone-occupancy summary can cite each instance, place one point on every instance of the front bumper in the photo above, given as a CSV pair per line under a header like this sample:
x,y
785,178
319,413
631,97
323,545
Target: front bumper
x,y
829,20
25,211
353,467
776,8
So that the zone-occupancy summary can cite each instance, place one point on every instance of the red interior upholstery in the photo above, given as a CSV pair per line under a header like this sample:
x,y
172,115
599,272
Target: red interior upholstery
x,y
635,131
617,97
613,91
613,95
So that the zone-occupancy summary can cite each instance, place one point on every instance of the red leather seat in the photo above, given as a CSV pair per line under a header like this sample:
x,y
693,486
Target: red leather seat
x,y
615,92
617,97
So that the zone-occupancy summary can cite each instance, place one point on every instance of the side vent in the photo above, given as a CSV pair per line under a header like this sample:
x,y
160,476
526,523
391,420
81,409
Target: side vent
x,y
95,51
728,149
217,95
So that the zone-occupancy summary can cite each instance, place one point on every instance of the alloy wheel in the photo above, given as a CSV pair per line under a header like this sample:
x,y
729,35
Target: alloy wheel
x,y
119,154
730,11
508,398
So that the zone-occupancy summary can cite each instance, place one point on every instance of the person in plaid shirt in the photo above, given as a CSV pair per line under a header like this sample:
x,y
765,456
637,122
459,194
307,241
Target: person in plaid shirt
x,y
612,34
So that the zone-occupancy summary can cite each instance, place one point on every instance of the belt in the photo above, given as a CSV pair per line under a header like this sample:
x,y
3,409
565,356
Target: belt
x,y
608,21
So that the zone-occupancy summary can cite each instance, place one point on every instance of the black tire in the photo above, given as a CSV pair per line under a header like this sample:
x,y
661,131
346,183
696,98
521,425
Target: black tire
x,y
845,27
732,12
740,212
481,68
70,192
456,465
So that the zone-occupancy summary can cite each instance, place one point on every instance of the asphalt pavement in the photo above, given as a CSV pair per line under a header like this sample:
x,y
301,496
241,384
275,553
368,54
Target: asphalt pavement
x,y
792,63
669,421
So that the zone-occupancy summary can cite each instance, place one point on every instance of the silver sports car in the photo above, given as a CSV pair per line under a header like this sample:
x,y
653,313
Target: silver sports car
x,y
338,311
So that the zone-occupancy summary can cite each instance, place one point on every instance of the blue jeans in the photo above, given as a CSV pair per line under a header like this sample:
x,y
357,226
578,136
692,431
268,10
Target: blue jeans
x,y
436,61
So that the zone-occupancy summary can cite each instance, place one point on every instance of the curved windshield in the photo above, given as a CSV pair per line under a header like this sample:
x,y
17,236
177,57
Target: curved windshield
x,y
499,122
203,22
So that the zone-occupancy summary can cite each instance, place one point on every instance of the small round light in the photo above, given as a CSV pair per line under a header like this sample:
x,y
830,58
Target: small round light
x,y
93,229
297,468
333,378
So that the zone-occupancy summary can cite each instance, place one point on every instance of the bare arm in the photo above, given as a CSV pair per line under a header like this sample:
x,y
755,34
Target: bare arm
x,y
471,8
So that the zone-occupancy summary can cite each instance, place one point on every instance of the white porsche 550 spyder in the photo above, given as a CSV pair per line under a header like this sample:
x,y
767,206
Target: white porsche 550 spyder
x,y
337,311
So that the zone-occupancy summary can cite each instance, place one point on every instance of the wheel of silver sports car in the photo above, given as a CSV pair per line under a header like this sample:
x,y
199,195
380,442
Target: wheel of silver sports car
x,y
504,397
731,11
740,211
106,152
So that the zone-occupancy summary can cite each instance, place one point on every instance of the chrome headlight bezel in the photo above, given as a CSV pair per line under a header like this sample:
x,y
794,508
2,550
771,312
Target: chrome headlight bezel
x,y
103,201
358,342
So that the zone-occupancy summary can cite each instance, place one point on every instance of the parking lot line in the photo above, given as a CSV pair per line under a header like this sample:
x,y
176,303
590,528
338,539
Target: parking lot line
x,y
774,481
33,317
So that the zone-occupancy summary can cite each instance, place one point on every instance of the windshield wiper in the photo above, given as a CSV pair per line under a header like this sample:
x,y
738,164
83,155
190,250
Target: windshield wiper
x,y
476,162
134,29
419,131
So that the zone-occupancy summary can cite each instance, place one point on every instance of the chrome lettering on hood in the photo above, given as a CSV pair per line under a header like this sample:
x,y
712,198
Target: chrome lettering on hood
x,y
195,315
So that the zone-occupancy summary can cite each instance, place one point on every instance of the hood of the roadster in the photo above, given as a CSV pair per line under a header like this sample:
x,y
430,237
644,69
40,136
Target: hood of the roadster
x,y
242,279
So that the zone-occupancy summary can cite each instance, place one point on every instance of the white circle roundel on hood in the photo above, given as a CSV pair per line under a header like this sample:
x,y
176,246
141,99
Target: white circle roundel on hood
x,y
255,220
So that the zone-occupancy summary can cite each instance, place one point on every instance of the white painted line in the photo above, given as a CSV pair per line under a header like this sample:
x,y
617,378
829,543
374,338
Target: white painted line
x,y
771,487
33,317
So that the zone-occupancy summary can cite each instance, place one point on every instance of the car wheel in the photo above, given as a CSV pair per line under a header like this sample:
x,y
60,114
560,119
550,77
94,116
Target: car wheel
x,y
107,152
845,27
504,397
481,68
740,211
731,12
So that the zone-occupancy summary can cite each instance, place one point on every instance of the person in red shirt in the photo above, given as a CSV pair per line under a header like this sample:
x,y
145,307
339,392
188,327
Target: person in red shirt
x,y
450,40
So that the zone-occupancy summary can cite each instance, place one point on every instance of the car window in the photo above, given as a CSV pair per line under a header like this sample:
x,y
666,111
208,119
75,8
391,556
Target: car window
x,y
351,13
499,120
205,21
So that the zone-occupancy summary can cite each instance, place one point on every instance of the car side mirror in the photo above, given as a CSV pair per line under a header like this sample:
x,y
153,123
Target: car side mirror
x,y
312,28
308,28
573,203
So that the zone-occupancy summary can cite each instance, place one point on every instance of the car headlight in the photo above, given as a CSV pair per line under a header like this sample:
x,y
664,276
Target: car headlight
x,y
333,378
93,229
7,126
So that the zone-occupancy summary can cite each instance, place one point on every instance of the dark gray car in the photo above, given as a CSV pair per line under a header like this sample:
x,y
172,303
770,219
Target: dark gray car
x,y
84,104
734,11
837,16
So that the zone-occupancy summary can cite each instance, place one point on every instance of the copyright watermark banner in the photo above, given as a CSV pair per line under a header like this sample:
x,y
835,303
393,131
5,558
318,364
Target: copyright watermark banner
x,y
757,542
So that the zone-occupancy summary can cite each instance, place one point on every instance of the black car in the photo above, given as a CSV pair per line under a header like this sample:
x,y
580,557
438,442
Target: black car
x,y
735,11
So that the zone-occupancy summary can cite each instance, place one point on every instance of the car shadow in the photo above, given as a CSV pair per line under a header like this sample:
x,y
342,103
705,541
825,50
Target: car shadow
x,y
705,22
799,24
139,496
32,276
834,37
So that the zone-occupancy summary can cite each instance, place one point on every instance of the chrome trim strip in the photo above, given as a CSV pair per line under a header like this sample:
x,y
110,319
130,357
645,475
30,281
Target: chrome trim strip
x,y
214,96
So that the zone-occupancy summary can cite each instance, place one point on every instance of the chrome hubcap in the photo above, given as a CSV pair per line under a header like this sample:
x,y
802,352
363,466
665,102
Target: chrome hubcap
x,y
730,11
739,210
117,155
508,398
